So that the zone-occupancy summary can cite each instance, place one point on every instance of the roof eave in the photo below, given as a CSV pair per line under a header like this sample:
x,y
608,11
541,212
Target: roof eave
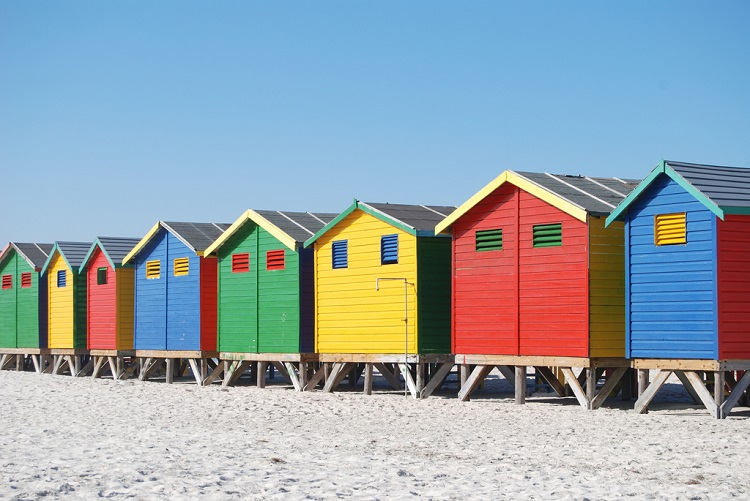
x,y
143,242
264,223
332,223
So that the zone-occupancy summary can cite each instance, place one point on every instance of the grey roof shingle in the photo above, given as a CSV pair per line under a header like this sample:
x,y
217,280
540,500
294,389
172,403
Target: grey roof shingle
x,y
74,252
419,217
196,235
725,186
117,247
298,225
597,195
35,254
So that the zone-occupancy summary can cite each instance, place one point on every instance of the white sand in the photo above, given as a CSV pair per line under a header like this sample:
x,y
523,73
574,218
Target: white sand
x,y
79,438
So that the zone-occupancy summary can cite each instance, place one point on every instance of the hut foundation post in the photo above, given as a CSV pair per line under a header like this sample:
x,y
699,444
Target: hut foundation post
x,y
520,385
261,376
368,379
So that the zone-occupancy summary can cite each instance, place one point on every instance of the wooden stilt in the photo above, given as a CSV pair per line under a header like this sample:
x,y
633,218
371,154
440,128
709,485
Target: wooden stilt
x,y
420,380
409,380
520,386
196,371
262,368
464,372
437,378
575,385
736,394
609,385
472,381
217,371
389,375
700,388
642,381
688,386
648,394
551,379
291,373
315,379
368,379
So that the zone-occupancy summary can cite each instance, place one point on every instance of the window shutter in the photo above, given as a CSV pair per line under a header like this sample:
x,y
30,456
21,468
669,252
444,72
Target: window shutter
x,y
275,260
341,254
389,249
547,235
7,282
25,280
62,277
241,262
153,269
670,229
489,240
101,276
181,266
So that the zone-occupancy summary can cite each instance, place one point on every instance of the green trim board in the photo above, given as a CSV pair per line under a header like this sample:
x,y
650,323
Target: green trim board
x,y
664,168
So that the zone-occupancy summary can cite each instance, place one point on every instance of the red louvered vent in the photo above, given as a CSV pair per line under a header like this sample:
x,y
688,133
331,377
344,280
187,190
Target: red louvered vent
x,y
25,280
241,262
7,281
275,260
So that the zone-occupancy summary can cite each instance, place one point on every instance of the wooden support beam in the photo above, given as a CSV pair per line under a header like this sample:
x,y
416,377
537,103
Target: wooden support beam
x,y
171,369
261,376
217,371
420,379
475,378
437,378
4,361
368,379
150,366
736,394
86,369
700,388
389,375
19,362
283,371
36,362
337,374
688,387
292,375
520,386
609,385
551,379
347,368
409,380
642,381
315,379
464,371
575,385
719,381
591,380
196,371
303,374
645,397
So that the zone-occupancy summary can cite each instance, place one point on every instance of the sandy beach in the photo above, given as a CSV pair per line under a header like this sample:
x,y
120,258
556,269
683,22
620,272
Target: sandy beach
x,y
80,438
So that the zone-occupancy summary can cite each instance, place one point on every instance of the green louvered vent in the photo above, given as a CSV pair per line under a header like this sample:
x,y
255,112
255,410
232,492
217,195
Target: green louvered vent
x,y
489,240
548,235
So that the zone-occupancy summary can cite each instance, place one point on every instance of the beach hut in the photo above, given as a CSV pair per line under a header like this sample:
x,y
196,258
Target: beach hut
x,y
687,231
66,306
382,292
175,296
265,292
110,292
23,302
537,279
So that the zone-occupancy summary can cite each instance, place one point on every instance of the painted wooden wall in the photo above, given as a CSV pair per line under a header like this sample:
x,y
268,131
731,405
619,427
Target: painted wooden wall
x,y
606,288
174,312
20,306
66,306
260,310
671,289
733,241
434,298
352,317
520,300
102,304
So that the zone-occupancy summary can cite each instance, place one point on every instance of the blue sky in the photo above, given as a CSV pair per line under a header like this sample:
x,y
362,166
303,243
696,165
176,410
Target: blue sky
x,y
114,115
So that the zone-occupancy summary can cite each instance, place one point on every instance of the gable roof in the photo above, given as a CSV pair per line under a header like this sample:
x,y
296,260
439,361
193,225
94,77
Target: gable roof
x,y
197,236
578,196
72,253
722,190
114,249
290,228
34,254
417,220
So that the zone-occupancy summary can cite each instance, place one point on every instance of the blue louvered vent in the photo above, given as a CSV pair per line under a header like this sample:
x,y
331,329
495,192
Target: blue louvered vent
x,y
341,254
389,249
61,278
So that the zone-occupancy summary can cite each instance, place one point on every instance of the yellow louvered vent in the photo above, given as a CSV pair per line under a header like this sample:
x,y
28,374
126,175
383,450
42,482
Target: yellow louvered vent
x,y
181,266
153,269
670,229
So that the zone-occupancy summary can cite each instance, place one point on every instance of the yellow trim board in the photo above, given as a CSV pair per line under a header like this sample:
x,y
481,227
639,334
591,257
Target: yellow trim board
x,y
260,221
521,182
142,243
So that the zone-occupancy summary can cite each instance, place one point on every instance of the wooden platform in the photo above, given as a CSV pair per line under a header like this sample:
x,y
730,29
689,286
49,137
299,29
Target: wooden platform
x,y
16,358
475,368
176,363
718,375
73,361
120,364
295,368
422,373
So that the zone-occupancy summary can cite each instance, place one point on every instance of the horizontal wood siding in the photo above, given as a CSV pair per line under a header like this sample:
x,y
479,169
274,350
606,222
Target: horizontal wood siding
x,y
278,299
208,297
151,297
485,300
351,316
9,304
434,294
733,237
672,288
102,301
61,300
183,298
125,308
606,288
238,293
553,284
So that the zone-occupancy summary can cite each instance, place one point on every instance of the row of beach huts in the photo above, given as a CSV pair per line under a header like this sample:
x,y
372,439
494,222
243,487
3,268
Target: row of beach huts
x,y
603,285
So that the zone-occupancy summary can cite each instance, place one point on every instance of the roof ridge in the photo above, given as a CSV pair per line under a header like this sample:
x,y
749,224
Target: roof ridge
x,y
40,249
579,189
295,222
433,210
316,217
